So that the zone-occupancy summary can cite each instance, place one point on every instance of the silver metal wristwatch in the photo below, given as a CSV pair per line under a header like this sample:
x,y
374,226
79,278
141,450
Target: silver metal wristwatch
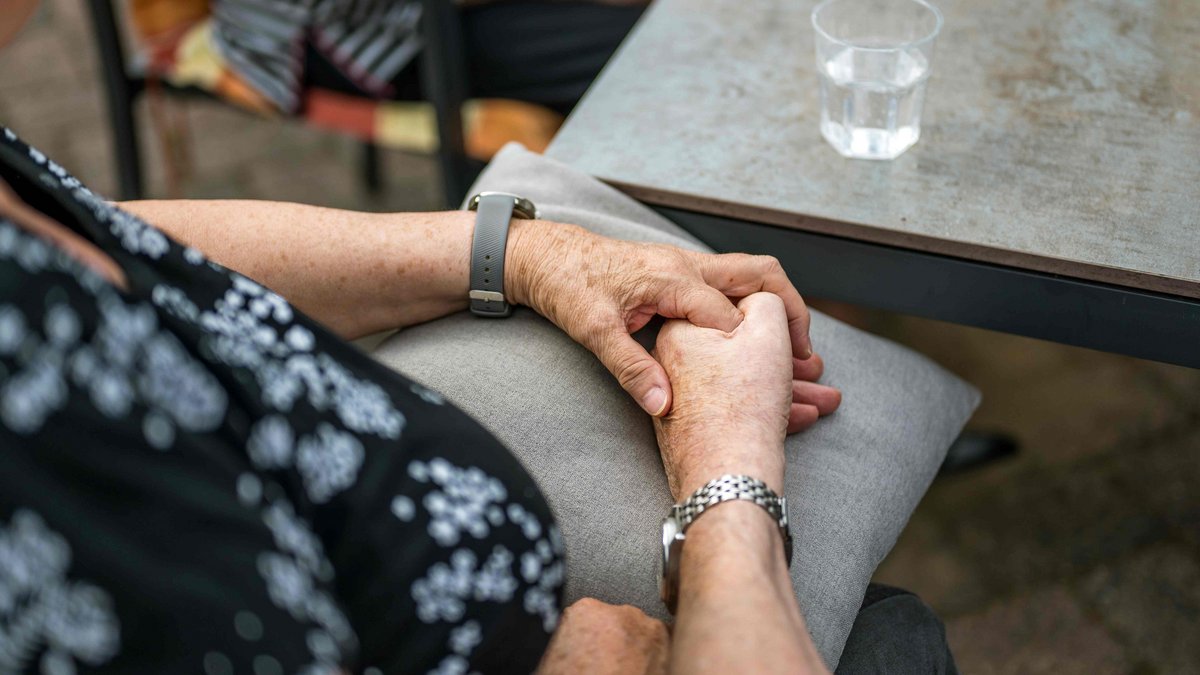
x,y
716,491
494,211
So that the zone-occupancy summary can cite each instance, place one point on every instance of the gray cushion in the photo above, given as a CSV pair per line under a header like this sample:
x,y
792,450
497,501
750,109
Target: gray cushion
x,y
852,480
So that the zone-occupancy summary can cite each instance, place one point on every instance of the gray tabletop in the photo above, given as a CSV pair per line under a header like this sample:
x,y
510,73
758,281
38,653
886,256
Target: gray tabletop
x,y
1060,136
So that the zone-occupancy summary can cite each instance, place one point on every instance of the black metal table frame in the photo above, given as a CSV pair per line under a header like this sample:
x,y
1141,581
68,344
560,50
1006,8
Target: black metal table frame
x,y
1061,309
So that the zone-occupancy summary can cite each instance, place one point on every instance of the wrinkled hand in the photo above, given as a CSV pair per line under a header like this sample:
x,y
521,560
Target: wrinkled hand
x,y
595,637
734,397
601,290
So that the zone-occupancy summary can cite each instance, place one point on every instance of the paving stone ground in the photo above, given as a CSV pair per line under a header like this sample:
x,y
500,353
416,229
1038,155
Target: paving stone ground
x,y
1080,555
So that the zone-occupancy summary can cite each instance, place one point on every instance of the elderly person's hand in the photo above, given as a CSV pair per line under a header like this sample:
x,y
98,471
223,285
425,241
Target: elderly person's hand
x,y
734,397
595,637
733,402
601,290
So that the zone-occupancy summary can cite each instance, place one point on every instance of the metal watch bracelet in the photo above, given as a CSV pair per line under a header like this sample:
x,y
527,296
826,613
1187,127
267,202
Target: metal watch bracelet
x,y
715,492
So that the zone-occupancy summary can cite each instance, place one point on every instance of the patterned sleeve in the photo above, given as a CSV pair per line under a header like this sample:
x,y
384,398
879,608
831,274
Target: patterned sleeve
x,y
197,478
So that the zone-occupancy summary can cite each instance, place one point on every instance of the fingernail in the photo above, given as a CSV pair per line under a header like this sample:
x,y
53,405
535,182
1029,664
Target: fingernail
x,y
807,353
655,400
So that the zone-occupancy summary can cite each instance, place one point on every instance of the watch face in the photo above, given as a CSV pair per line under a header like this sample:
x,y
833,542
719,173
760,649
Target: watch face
x,y
672,546
525,208
522,207
670,530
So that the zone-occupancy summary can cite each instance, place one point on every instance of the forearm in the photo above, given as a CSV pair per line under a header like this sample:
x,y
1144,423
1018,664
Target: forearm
x,y
737,611
357,273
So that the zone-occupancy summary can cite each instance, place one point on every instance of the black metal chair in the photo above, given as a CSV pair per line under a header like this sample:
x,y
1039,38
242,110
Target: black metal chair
x,y
443,80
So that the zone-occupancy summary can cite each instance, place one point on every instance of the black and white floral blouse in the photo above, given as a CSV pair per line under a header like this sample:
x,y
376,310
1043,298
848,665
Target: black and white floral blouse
x,y
196,478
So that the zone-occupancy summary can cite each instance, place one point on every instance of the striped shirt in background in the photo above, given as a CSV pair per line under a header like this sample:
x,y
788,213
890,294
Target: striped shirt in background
x,y
369,41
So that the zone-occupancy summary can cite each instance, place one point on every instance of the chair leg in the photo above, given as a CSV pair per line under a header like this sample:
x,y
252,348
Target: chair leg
x,y
125,145
974,449
371,171
119,91
444,83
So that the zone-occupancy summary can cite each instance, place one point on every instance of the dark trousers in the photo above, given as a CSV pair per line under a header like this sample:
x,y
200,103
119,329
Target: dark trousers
x,y
528,50
895,632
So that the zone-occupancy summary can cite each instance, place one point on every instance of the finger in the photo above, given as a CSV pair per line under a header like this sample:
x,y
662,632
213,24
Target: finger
x,y
637,371
801,417
825,399
703,306
809,369
738,275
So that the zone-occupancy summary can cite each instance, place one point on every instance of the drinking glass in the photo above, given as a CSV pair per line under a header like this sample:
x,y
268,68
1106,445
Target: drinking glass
x,y
873,61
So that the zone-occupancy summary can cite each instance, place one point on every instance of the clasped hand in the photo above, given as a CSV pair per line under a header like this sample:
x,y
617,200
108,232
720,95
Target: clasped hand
x,y
601,290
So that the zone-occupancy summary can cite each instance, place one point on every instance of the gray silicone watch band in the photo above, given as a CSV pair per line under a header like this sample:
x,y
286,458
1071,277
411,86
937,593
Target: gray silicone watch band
x,y
492,218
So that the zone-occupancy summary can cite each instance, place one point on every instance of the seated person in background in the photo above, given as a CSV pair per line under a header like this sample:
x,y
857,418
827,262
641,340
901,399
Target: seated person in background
x,y
530,60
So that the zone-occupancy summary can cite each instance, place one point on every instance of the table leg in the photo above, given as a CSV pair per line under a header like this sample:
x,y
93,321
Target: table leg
x,y
973,449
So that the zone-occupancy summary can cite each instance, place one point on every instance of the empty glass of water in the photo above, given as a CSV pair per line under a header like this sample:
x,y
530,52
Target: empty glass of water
x,y
873,60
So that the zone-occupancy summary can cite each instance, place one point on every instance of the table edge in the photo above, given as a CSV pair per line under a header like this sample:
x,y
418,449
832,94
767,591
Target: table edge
x,y
1050,265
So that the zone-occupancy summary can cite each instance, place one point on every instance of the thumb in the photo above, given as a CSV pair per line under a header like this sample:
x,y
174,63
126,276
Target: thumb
x,y
638,373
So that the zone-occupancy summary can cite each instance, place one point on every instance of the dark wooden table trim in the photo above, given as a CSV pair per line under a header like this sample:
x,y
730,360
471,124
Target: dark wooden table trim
x,y
1080,312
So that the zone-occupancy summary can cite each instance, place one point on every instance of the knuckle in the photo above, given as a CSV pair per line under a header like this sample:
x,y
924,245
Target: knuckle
x,y
802,312
630,610
630,371
677,255
770,264
631,615
645,281
654,253
584,606
693,295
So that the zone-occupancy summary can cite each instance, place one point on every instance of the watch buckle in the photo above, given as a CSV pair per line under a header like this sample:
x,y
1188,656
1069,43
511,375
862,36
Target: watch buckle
x,y
489,304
